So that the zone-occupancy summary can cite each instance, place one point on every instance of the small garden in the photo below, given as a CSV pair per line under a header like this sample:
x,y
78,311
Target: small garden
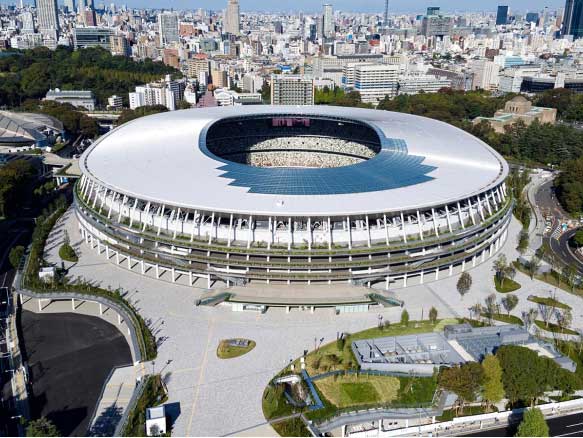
x,y
154,394
231,348
66,251
504,276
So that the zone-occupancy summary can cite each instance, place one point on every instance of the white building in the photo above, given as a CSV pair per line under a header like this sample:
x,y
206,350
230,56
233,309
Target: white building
x,y
165,92
375,82
292,90
226,97
115,102
78,98
414,84
485,74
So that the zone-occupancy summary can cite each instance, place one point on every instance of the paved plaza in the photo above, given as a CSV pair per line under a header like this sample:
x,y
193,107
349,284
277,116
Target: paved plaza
x,y
223,397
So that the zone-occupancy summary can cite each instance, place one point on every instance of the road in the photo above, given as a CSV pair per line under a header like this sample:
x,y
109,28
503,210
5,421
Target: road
x,y
569,425
546,202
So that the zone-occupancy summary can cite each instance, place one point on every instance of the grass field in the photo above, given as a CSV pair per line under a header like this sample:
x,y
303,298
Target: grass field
x,y
350,390
509,285
226,351
510,319
292,427
548,301
554,328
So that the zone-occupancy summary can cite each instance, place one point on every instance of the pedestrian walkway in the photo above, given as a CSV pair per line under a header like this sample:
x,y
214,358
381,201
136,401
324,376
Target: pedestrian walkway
x,y
114,400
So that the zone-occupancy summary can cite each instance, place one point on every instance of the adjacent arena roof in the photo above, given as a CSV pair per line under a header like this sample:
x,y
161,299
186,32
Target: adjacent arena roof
x,y
421,163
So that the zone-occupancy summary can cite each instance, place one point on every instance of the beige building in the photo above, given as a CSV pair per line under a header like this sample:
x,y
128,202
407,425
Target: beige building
x,y
518,108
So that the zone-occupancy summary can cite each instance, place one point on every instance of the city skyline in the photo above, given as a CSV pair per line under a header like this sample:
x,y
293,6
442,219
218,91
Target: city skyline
x,y
395,6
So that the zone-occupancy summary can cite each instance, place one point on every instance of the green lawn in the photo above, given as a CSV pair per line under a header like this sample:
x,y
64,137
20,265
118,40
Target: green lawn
x,y
508,285
358,393
551,302
554,328
226,351
274,403
363,389
292,427
551,279
509,319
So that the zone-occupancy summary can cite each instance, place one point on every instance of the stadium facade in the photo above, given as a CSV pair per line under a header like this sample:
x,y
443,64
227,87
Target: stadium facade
x,y
287,195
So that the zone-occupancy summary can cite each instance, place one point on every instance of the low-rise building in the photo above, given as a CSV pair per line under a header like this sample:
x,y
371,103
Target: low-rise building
x,y
77,98
518,108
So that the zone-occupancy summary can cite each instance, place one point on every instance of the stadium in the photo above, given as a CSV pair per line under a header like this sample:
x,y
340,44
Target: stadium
x,y
293,195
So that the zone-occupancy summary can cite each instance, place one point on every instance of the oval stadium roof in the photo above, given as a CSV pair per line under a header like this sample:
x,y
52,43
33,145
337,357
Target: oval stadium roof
x,y
422,163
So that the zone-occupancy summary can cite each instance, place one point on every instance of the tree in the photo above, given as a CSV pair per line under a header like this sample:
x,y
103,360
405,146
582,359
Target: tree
x,y
464,380
433,315
41,427
564,318
533,266
533,424
15,256
491,305
493,390
464,284
501,269
509,301
578,238
405,318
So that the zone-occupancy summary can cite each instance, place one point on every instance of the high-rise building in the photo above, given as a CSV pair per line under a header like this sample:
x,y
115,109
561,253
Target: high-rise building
x,y
531,17
432,10
292,90
92,37
436,25
232,20
375,82
328,28
119,45
48,18
70,5
168,28
573,19
502,15
27,21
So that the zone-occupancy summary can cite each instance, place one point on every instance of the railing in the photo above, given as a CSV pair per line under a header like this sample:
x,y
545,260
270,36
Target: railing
x,y
130,407
414,241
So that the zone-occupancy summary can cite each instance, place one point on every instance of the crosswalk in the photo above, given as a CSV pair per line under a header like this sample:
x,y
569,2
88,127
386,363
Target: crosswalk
x,y
556,232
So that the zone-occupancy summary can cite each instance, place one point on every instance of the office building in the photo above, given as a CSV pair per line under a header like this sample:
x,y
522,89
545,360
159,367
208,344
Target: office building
x,y
328,27
115,102
375,82
573,19
291,90
417,83
232,19
27,22
78,98
48,18
196,65
119,45
168,28
432,10
92,37
502,15
531,17
436,26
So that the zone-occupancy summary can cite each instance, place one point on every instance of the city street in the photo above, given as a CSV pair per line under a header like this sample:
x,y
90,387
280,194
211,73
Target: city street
x,y
569,425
